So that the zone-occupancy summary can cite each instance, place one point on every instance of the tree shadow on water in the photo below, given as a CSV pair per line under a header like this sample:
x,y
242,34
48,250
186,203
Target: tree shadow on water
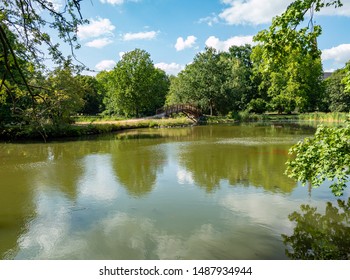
x,y
320,237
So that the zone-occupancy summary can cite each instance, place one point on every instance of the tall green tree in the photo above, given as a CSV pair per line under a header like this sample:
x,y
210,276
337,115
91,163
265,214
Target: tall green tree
x,y
201,82
286,29
287,52
61,96
92,95
346,79
293,82
240,86
135,87
217,82
25,47
327,154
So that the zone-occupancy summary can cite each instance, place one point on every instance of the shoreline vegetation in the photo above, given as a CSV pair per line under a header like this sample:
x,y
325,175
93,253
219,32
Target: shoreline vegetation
x,y
94,125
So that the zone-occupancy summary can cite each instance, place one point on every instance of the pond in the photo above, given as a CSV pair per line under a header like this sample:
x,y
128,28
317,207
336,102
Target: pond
x,y
203,192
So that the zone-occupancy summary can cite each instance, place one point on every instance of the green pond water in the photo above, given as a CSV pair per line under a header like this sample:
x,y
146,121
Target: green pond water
x,y
205,192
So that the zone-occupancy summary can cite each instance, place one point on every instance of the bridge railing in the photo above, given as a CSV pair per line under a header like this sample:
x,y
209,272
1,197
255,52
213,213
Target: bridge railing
x,y
176,108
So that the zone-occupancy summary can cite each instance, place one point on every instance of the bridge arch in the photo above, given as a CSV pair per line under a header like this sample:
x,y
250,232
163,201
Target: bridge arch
x,y
189,110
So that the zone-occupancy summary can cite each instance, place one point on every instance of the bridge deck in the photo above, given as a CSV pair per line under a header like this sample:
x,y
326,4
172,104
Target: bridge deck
x,y
190,110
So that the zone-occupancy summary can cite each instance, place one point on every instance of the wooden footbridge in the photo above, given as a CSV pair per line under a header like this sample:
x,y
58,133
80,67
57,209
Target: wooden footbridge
x,y
189,110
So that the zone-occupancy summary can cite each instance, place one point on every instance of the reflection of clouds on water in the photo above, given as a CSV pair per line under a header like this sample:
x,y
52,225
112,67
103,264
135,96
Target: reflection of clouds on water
x,y
98,181
184,177
60,231
267,210
45,232
123,236
55,234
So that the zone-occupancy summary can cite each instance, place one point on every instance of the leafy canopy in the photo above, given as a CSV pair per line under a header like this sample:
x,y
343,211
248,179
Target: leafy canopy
x,y
325,156
288,59
28,20
337,97
26,92
134,87
284,29
217,82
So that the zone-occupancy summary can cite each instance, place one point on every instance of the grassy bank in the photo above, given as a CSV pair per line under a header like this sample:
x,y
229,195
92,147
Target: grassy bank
x,y
78,119
249,117
49,132
94,125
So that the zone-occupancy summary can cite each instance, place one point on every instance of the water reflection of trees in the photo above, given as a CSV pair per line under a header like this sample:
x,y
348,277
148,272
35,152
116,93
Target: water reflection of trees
x,y
259,165
198,133
64,168
16,207
16,199
136,163
320,237
24,168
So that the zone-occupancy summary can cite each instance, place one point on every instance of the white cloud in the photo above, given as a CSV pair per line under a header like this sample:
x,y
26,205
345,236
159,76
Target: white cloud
x,y
182,44
57,4
210,20
260,12
215,43
112,2
340,54
105,65
117,2
140,36
252,11
99,43
98,182
342,11
121,54
96,28
170,68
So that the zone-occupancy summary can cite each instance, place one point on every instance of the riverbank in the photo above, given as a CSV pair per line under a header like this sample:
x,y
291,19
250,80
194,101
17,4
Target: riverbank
x,y
80,129
93,125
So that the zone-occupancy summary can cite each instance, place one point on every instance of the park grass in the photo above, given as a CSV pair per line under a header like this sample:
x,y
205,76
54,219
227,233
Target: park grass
x,y
139,123
97,118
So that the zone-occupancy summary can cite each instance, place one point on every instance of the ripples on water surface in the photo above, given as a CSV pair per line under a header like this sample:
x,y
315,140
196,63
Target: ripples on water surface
x,y
211,192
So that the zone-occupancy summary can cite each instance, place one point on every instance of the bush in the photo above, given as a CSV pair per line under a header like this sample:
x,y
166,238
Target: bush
x,y
257,106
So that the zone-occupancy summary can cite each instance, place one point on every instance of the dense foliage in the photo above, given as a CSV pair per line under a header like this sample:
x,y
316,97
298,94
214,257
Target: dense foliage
x,y
217,82
289,61
26,93
337,97
135,87
324,156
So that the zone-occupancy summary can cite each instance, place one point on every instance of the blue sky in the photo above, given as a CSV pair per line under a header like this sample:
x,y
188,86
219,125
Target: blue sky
x,y
173,31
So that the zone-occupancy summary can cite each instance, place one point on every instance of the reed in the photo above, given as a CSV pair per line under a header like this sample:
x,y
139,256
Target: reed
x,y
324,117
